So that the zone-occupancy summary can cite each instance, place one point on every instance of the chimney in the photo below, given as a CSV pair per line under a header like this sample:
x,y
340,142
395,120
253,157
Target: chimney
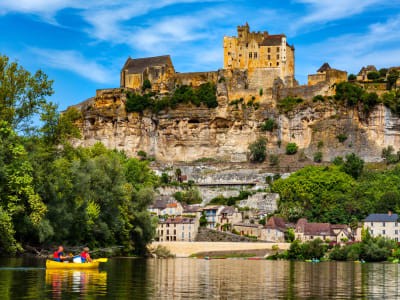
x,y
389,213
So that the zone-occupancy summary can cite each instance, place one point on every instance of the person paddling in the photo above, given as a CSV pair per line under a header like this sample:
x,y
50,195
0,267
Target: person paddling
x,y
59,255
85,256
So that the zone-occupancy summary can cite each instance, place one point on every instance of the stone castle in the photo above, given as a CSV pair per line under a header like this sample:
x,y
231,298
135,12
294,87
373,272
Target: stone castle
x,y
258,74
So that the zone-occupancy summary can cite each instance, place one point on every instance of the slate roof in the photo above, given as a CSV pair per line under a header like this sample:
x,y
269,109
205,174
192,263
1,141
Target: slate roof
x,y
138,65
179,220
382,218
160,204
367,69
229,210
325,67
272,40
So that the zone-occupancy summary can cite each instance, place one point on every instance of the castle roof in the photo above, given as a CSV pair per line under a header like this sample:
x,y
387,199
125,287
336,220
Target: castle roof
x,y
367,69
138,65
325,67
272,40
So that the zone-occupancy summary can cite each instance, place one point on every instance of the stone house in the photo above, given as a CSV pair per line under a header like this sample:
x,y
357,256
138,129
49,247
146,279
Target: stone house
x,y
173,209
193,210
177,230
305,231
229,215
386,225
159,70
363,74
248,229
157,207
327,74
274,230
212,213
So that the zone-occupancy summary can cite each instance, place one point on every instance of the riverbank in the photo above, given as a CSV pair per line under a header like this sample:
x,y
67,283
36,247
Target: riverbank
x,y
185,249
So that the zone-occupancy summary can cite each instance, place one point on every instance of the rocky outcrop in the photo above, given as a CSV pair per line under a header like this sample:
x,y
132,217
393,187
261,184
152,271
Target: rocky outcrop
x,y
265,202
189,133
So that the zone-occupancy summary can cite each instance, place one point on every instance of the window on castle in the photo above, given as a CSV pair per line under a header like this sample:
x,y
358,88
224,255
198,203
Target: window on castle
x,y
277,63
269,57
270,64
255,54
247,45
277,49
277,56
250,55
269,50
229,53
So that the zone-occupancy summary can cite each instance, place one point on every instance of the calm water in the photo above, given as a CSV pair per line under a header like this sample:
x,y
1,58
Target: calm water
x,y
200,279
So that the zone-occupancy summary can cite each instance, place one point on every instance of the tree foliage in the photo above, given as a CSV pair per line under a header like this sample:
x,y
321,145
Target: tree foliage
x,y
258,150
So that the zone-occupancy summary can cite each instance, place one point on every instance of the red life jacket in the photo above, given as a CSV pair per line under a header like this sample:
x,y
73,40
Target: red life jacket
x,y
84,255
55,254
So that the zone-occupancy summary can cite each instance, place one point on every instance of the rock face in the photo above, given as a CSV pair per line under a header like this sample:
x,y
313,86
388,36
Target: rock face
x,y
190,133
265,202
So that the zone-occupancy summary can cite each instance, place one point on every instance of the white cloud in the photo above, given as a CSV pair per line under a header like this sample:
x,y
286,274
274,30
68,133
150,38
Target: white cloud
x,y
321,12
75,62
379,45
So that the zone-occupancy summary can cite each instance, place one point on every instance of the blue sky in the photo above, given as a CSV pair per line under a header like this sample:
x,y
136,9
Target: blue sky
x,y
82,44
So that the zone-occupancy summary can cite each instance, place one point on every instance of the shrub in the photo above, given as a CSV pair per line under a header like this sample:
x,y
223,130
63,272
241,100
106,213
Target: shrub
x,y
276,176
318,98
261,92
288,104
203,220
221,79
164,178
142,154
341,137
338,161
191,196
268,179
256,105
392,78
318,157
291,148
373,75
138,103
146,84
268,125
274,160
320,144
279,143
258,150
382,72
352,77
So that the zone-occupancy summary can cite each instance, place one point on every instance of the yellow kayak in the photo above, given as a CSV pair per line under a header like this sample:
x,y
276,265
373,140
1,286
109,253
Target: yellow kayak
x,y
51,264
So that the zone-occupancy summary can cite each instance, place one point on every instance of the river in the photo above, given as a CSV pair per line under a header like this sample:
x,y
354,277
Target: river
x,y
186,278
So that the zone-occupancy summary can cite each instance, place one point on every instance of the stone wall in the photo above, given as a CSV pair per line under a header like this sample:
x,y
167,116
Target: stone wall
x,y
209,235
196,78
265,202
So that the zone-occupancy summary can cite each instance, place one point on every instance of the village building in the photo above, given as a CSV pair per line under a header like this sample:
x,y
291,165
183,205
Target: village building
x,y
363,74
228,216
326,73
177,230
212,212
157,207
274,230
305,231
173,209
248,229
386,225
192,210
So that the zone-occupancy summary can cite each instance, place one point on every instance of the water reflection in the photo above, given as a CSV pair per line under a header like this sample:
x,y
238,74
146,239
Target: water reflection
x,y
82,282
201,279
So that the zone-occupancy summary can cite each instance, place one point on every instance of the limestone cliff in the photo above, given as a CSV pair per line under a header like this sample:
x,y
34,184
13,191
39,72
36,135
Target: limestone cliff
x,y
188,133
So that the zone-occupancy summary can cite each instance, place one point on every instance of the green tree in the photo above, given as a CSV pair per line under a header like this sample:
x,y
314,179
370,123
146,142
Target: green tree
x,y
22,95
289,234
258,150
353,165
352,77
203,220
373,75
382,72
392,78
318,157
146,84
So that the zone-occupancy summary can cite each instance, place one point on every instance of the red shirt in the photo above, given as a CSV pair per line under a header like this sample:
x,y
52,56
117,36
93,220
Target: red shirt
x,y
84,255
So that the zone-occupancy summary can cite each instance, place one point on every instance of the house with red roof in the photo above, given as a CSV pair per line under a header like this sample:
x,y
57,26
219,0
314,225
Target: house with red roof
x,y
306,231
173,209
274,230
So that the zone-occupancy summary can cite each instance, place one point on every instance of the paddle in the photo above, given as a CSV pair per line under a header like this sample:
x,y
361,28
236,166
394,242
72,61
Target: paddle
x,y
103,260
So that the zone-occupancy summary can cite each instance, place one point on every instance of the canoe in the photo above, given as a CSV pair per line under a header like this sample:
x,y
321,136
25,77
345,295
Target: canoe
x,y
51,264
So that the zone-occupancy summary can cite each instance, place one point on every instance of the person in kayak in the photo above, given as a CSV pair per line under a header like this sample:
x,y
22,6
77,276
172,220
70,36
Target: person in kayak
x,y
59,255
85,256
